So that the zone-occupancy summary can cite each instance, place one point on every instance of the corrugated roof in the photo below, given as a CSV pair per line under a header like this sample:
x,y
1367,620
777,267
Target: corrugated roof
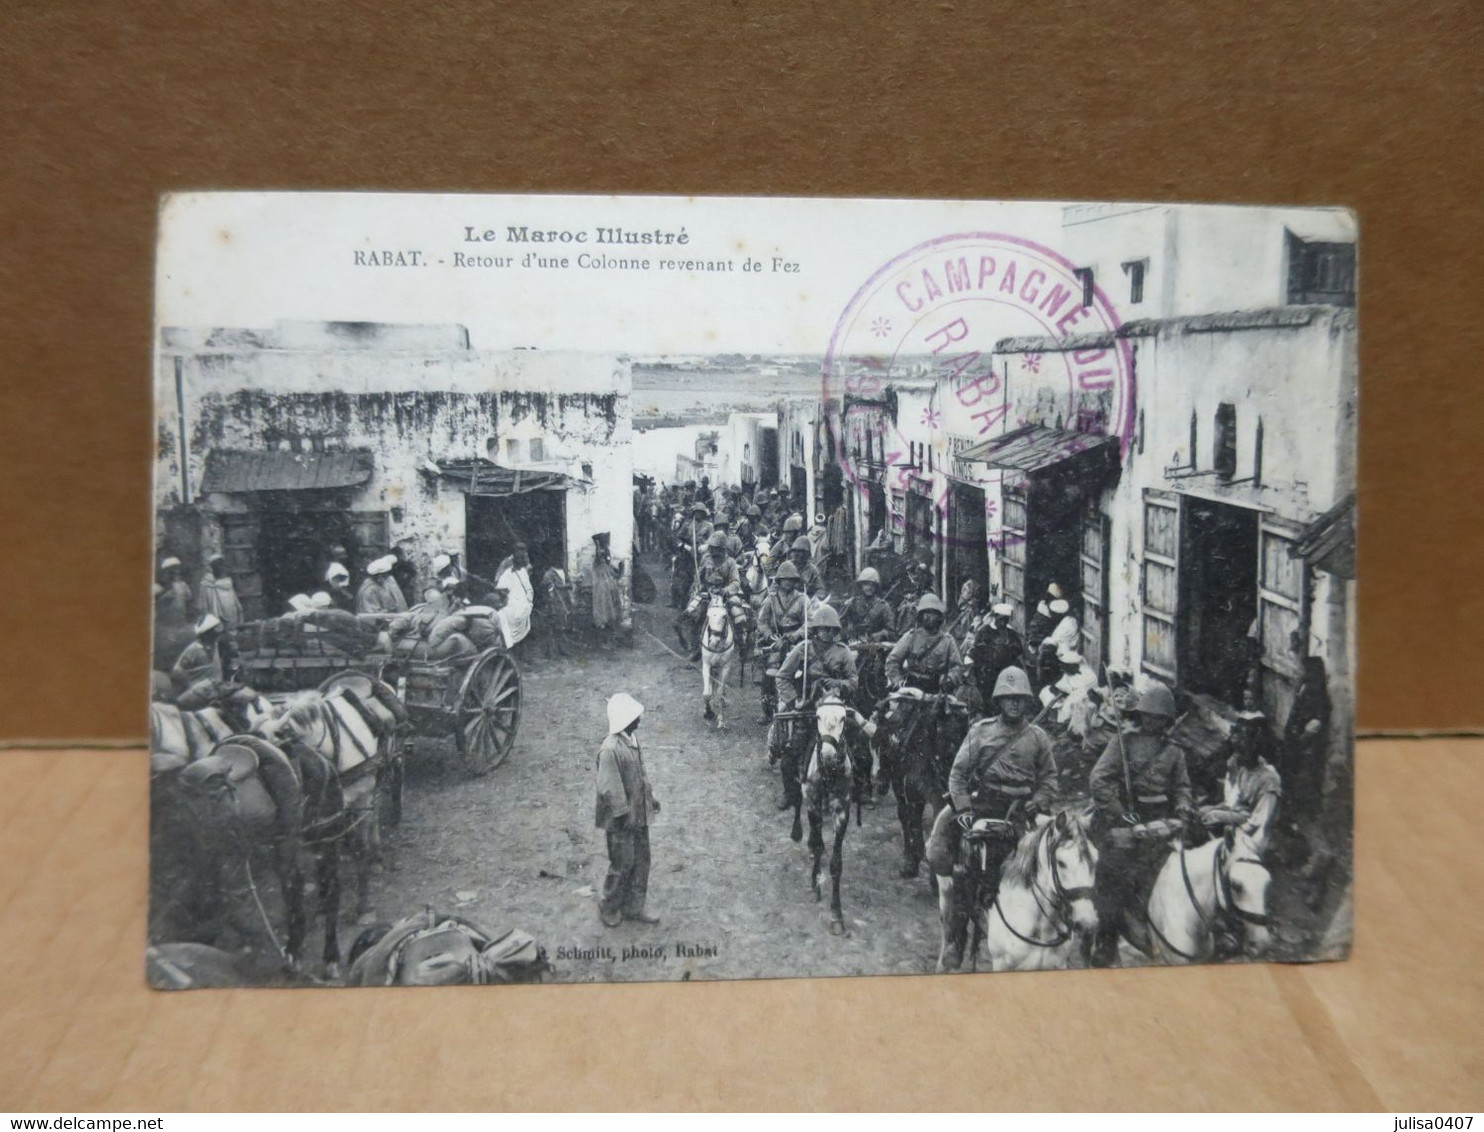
x,y
1329,541
1035,447
232,470
483,477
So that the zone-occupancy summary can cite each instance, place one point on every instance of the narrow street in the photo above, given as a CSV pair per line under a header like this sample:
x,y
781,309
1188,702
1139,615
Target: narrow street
x,y
518,848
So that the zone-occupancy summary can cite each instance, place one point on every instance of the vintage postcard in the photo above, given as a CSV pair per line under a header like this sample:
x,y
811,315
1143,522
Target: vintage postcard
x,y
636,588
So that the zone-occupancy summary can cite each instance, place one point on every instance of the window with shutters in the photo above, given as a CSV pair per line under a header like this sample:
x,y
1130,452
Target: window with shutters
x,y
1160,583
1012,553
1094,587
1281,596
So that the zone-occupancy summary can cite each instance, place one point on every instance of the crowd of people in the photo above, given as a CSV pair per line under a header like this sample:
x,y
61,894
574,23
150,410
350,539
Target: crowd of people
x,y
454,613
1039,729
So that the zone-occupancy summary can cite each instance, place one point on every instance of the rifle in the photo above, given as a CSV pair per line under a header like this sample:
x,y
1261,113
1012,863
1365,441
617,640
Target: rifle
x,y
1128,782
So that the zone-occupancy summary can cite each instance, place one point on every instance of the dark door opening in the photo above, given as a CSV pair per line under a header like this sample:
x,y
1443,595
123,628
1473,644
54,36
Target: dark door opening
x,y
767,466
831,489
799,485
968,554
876,513
1054,539
494,524
922,544
1218,597
293,550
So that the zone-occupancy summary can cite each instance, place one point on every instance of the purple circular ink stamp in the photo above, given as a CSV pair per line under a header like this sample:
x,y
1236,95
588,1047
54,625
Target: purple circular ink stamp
x,y
915,376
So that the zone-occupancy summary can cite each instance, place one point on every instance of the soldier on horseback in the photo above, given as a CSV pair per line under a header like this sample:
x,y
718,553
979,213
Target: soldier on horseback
x,y
780,626
925,657
690,542
1004,772
801,554
866,623
997,646
1140,791
827,668
716,573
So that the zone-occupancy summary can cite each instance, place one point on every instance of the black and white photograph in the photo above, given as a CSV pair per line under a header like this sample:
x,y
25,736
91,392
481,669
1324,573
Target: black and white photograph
x,y
607,589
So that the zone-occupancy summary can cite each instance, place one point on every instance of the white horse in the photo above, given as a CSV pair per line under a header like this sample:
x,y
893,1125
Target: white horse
x,y
1221,884
718,647
1044,907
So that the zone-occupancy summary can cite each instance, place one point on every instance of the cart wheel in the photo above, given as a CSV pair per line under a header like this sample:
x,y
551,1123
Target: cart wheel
x,y
488,711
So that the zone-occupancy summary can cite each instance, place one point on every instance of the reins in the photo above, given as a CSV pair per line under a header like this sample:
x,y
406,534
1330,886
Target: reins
x,y
1067,896
1226,903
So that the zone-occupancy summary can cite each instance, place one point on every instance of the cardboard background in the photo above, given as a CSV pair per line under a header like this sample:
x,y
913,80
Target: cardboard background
x,y
1372,105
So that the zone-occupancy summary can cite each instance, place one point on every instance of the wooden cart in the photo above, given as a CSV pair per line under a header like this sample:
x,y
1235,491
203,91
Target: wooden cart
x,y
475,699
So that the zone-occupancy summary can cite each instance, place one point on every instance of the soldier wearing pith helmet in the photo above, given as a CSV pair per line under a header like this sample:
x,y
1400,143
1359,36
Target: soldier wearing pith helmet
x,y
1139,783
1003,770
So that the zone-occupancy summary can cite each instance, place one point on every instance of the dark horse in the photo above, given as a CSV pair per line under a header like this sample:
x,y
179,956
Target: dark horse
x,y
310,779
209,821
344,743
917,743
827,778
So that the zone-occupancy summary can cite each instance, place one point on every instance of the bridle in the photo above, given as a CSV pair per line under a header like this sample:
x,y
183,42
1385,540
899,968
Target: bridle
x,y
1226,902
726,635
1056,905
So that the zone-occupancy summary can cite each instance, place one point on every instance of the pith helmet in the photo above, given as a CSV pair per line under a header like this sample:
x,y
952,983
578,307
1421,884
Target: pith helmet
x,y
802,543
1012,682
698,509
869,575
931,603
793,524
716,539
754,512
787,570
826,618
1157,700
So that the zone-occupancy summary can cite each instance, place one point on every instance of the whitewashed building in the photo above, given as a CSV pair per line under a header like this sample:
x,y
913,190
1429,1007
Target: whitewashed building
x,y
1160,261
1209,522
275,444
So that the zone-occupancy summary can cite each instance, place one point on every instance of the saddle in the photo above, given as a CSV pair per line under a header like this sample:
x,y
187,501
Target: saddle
x,y
431,948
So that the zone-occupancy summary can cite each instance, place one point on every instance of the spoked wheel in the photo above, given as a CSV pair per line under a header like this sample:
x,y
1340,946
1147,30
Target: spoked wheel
x,y
488,711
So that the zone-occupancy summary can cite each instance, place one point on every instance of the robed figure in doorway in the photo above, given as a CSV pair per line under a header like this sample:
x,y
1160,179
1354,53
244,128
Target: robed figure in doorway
x,y
515,580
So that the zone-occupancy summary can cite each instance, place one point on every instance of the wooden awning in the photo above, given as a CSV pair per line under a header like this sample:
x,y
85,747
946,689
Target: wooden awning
x,y
1328,543
484,477
233,470
1037,448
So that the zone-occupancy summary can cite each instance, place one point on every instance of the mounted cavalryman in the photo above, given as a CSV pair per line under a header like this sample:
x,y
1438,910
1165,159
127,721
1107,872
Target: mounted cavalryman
x,y
801,554
780,626
1003,771
716,573
1140,790
925,657
866,620
828,669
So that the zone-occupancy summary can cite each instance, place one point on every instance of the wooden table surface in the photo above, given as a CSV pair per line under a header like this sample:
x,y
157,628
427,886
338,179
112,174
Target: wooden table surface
x,y
1400,1026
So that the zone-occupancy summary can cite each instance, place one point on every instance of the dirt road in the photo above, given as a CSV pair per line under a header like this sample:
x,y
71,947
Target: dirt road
x,y
518,847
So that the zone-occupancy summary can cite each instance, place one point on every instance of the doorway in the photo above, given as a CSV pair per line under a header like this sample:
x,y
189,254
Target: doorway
x,y
493,524
1218,597
1053,537
767,465
968,555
